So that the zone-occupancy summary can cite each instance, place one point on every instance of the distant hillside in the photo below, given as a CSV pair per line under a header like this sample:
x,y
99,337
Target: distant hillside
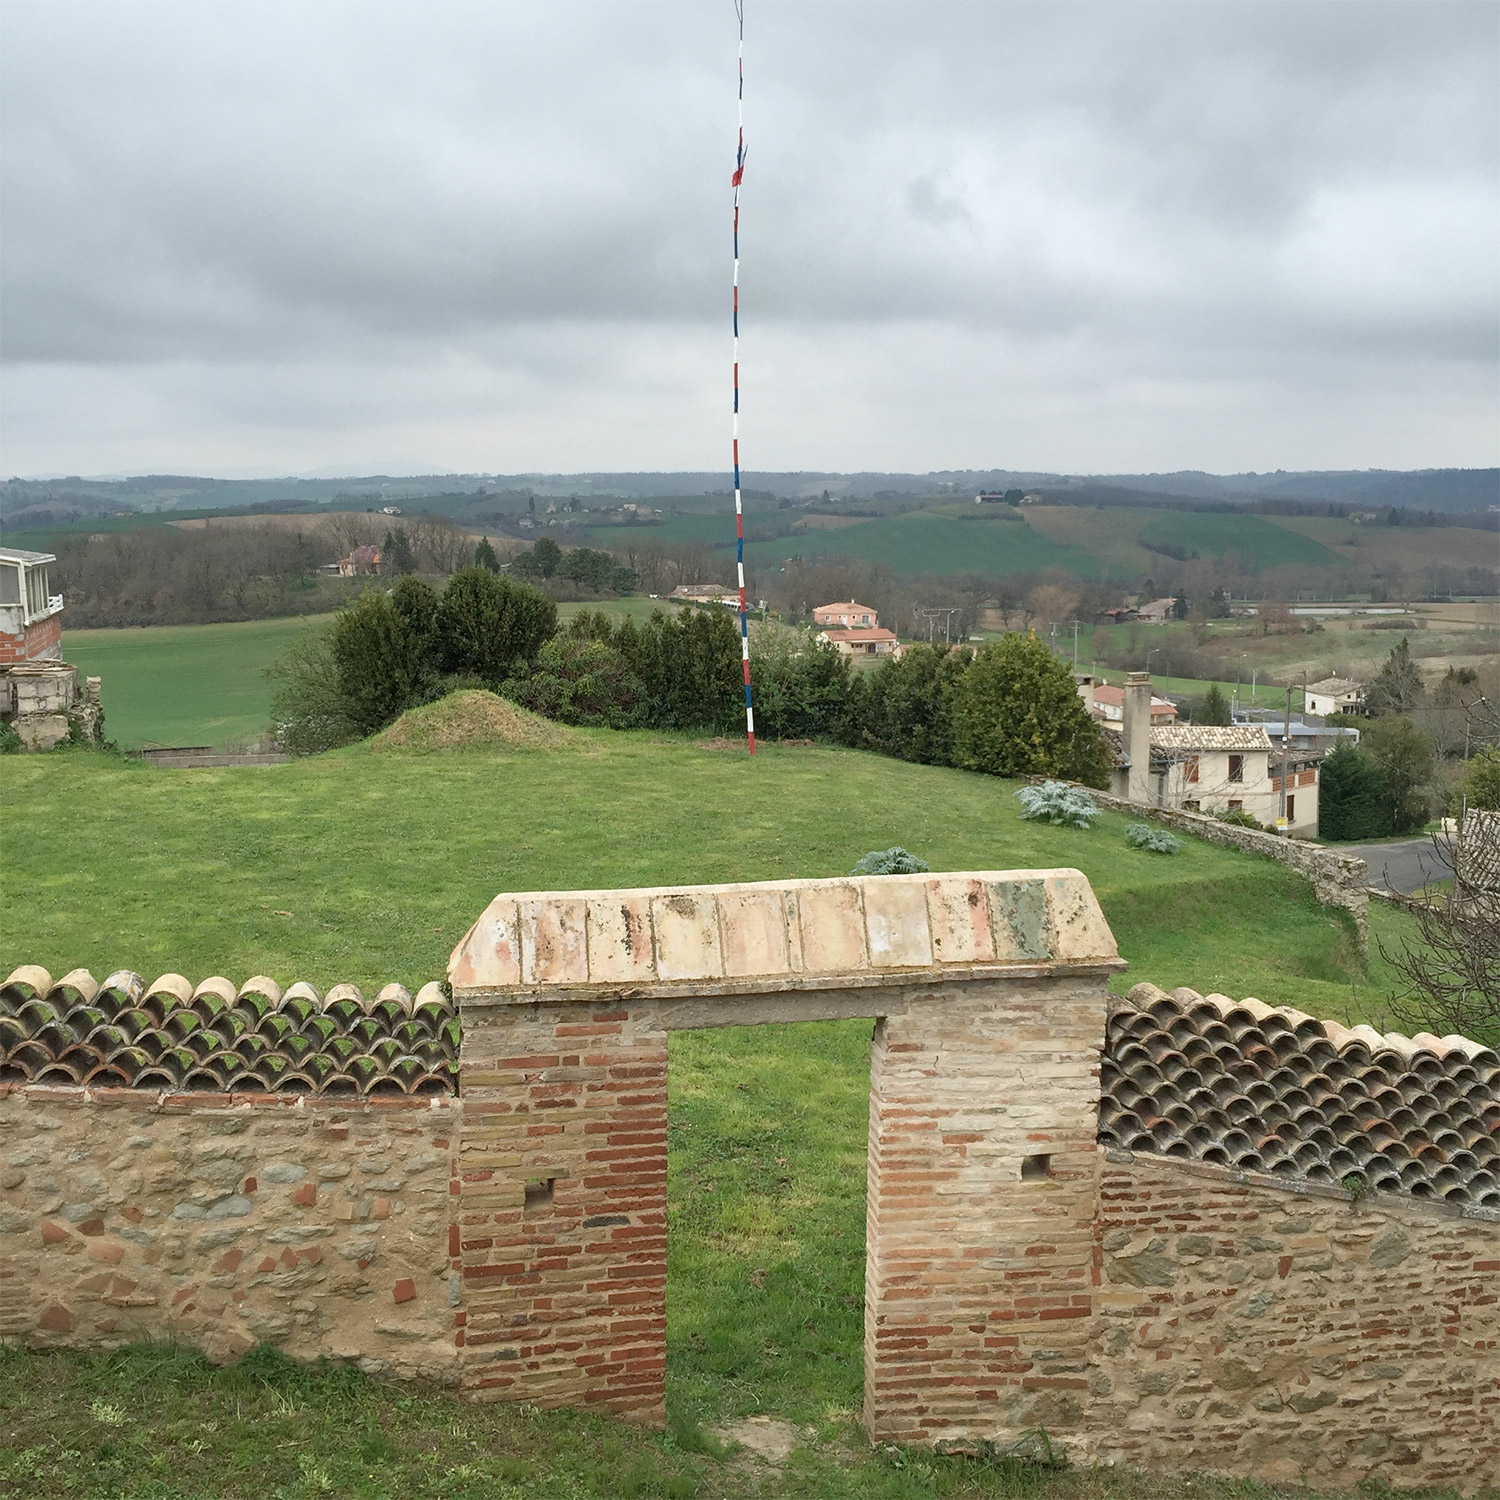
x,y
32,502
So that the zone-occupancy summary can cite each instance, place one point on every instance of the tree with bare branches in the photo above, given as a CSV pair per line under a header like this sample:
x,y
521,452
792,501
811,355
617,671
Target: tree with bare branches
x,y
1450,972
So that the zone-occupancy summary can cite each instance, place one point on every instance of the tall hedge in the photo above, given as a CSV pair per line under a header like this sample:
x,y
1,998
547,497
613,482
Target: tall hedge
x,y
491,627
1352,801
1016,712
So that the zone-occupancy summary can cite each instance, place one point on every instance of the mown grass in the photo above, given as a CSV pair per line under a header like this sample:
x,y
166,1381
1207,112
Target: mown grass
x,y
368,866
184,684
159,1423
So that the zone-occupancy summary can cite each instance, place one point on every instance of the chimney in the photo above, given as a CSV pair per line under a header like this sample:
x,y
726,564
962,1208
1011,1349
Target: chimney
x,y
1137,732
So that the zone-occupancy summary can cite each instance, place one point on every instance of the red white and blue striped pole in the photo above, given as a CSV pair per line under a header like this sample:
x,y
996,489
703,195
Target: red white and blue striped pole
x,y
739,512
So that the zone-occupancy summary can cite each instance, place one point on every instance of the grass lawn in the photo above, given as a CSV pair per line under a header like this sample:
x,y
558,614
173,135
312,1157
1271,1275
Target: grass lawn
x,y
184,684
152,1423
367,866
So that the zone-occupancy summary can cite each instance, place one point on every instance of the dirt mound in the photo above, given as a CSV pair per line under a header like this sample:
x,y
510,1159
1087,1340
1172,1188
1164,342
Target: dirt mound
x,y
471,718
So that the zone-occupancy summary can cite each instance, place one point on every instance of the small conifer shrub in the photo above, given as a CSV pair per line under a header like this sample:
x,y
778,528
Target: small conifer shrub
x,y
1153,840
894,861
1057,802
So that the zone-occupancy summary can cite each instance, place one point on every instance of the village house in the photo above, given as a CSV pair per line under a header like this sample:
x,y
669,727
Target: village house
x,y
873,642
706,593
846,615
1213,768
1107,704
39,696
363,562
1157,612
1334,695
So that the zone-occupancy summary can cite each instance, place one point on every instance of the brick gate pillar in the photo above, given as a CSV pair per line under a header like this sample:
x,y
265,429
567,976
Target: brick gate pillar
x,y
983,1186
989,994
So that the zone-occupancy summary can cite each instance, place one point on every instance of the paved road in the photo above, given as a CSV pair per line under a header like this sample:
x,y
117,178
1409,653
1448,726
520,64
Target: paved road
x,y
1401,866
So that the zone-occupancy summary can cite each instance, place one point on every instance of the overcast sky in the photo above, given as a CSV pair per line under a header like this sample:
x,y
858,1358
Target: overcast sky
x,y
243,236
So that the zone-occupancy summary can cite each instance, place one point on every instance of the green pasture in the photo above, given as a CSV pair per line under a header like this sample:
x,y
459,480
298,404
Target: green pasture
x,y
368,865
997,542
1259,539
184,684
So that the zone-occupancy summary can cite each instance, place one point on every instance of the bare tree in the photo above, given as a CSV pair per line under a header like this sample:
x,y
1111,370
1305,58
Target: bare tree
x,y
1450,973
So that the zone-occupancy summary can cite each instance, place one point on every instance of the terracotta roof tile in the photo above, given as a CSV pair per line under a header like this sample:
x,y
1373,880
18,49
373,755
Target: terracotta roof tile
x,y
1240,1084
170,1035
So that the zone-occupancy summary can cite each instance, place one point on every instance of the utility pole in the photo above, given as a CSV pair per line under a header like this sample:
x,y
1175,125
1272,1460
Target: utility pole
x,y
1075,645
1286,743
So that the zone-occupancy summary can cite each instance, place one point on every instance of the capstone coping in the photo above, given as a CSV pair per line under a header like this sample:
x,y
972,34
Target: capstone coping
x,y
782,935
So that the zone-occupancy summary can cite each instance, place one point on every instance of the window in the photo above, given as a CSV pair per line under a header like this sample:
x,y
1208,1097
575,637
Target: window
x,y
1235,805
1191,768
1192,805
1236,768
36,591
10,583
1291,808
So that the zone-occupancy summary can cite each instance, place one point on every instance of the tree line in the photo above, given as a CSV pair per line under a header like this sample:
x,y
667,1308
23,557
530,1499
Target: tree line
x,y
1009,708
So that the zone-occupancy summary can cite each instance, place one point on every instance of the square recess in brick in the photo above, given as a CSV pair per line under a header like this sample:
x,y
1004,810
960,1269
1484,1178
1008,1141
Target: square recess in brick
x,y
538,1195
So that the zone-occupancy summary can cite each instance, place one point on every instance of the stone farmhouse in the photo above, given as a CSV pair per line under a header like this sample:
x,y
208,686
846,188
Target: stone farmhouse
x,y
1211,767
39,695
1334,695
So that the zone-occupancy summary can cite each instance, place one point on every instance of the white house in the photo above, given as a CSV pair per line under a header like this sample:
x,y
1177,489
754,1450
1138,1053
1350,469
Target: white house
x,y
873,642
1334,695
1213,768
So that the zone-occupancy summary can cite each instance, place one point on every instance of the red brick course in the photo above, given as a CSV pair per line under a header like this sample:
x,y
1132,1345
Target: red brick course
x,y
565,1279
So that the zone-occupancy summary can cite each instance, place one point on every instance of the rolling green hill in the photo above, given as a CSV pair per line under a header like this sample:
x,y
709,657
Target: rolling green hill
x,y
1261,540
995,542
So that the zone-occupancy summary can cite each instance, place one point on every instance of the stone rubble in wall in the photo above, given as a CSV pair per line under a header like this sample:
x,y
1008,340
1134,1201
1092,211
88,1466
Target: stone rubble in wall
x,y
171,1036
1240,1084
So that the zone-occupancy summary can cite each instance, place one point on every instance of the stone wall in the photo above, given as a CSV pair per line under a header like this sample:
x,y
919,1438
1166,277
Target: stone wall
x,y
1251,1327
1337,879
226,1220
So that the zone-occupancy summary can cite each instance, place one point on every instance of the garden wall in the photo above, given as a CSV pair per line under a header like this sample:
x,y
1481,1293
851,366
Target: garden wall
x,y
1250,1327
225,1221
1173,1230
1337,879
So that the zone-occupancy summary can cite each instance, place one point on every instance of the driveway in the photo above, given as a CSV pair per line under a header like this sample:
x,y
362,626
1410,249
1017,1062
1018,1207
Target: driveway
x,y
1402,865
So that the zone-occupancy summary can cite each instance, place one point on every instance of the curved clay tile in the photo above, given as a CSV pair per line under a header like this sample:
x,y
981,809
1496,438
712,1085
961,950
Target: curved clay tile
x,y
172,1035
1271,1089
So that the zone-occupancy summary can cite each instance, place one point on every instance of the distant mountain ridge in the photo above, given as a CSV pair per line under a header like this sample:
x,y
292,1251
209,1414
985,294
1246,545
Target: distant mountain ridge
x,y
30,502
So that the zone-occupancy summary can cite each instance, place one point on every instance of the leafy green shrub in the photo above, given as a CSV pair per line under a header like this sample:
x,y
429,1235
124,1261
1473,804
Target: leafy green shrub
x,y
1239,817
1480,782
1017,712
801,688
491,628
1152,839
10,741
893,861
1057,802
579,681
1352,802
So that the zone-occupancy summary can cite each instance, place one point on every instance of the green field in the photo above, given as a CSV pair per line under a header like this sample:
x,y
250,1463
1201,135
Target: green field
x,y
1260,540
184,684
997,543
368,865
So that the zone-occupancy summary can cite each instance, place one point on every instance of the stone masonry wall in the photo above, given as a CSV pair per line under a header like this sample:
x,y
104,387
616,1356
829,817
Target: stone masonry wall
x,y
983,1181
1337,879
226,1220
1249,1327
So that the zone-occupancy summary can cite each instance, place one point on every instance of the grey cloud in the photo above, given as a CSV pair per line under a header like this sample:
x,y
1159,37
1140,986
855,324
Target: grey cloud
x,y
358,215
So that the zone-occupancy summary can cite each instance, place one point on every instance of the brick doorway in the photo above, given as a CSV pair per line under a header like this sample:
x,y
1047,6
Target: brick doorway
x,y
988,995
